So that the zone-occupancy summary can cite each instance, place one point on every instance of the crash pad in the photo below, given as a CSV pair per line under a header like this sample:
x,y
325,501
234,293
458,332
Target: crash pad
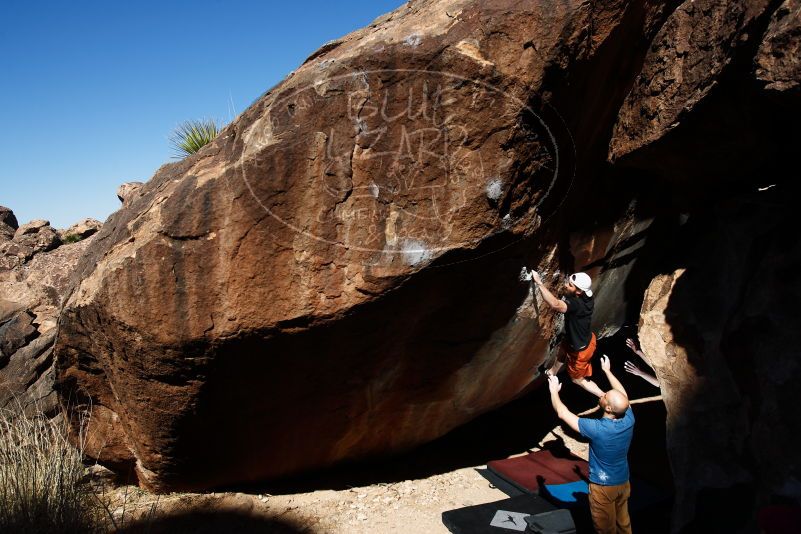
x,y
545,466
506,516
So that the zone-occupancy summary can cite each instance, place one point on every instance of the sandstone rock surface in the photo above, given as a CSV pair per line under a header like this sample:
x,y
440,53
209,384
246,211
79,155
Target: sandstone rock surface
x,y
720,333
32,227
33,280
335,276
80,230
344,257
716,149
29,239
127,191
779,59
684,63
8,224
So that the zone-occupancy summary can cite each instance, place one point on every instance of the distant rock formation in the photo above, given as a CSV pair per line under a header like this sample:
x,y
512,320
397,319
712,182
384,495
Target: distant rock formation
x,y
27,240
80,230
8,224
34,275
335,276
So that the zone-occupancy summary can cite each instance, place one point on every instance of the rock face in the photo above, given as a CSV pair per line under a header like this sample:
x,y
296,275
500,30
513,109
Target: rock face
x,y
26,371
27,240
128,191
684,63
33,280
720,333
779,59
80,230
344,256
8,224
15,332
716,323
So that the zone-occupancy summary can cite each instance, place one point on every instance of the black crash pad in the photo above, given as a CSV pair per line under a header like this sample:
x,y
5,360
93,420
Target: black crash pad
x,y
499,517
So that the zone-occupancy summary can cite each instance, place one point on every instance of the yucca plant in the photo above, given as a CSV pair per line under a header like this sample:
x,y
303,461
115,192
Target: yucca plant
x,y
191,136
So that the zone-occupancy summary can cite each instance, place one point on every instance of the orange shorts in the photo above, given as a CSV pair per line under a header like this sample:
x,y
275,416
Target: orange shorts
x,y
578,363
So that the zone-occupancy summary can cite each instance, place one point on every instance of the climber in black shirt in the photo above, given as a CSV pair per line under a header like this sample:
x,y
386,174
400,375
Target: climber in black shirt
x,y
579,343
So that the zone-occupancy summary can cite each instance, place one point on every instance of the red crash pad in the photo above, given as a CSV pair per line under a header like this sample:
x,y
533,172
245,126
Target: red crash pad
x,y
523,471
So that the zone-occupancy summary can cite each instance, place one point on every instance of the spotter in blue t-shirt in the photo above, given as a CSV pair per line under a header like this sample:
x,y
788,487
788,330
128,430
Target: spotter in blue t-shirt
x,y
609,447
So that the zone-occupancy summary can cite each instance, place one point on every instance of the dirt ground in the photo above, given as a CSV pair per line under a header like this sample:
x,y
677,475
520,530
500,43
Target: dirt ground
x,y
409,506
403,494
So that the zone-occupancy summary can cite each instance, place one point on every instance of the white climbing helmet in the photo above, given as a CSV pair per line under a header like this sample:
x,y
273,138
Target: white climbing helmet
x,y
583,282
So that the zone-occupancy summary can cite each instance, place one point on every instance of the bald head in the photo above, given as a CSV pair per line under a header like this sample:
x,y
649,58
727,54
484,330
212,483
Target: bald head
x,y
614,402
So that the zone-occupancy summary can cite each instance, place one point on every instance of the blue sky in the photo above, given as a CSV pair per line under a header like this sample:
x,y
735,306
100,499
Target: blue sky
x,y
90,91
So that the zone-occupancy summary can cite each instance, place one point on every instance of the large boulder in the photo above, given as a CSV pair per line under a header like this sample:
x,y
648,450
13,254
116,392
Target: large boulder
x,y
344,257
32,227
335,276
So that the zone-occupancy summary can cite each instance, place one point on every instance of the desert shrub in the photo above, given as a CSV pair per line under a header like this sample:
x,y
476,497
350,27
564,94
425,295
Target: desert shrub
x,y
41,471
72,238
191,136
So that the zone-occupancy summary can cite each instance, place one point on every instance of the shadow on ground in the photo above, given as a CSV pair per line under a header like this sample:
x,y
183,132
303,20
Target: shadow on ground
x,y
213,521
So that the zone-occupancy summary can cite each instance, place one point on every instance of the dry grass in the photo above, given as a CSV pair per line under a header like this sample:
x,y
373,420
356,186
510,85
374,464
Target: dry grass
x,y
41,471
